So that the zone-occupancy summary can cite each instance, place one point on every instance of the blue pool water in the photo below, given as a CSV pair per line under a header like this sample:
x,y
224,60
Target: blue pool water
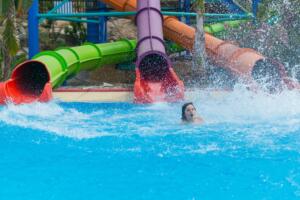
x,y
249,148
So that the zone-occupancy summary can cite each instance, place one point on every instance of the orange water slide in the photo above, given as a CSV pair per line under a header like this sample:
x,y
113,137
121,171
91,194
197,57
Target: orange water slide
x,y
240,61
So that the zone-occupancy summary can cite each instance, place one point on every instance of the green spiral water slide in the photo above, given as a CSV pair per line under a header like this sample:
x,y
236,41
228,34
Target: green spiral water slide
x,y
219,27
67,62
33,80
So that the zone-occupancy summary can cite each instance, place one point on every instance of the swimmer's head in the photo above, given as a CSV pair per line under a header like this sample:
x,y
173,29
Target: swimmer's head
x,y
188,112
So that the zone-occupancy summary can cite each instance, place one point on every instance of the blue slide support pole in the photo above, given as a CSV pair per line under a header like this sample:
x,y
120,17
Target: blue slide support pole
x,y
33,29
255,7
187,8
180,8
102,24
92,28
97,32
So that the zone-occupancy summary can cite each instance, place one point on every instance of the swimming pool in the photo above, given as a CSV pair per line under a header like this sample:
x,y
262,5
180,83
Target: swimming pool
x,y
249,148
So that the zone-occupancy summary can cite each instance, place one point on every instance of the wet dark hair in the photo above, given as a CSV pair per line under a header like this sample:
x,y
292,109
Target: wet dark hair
x,y
183,117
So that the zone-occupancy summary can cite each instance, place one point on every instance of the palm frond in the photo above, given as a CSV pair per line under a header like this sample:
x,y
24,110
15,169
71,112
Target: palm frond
x,y
23,6
9,37
4,7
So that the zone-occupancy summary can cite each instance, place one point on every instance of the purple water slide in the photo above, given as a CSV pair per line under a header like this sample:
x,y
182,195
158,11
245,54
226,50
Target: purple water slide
x,y
152,60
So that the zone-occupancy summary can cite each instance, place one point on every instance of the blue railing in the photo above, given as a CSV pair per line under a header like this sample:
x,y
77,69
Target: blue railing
x,y
96,18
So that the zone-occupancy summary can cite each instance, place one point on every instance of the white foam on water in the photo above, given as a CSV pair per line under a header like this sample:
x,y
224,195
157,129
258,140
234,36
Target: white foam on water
x,y
255,117
51,117
243,106
251,119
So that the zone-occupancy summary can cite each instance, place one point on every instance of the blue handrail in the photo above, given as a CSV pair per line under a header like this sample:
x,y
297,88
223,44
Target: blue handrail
x,y
132,13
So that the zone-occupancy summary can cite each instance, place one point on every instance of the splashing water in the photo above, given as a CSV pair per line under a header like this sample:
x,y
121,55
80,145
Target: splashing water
x,y
236,109
275,33
51,118
249,140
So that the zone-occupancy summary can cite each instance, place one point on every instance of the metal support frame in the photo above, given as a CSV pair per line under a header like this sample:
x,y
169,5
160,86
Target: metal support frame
x,y
187,8
255,7
97,21
33,29
97,28
233,7
103,24
132,13
97,32
180,8
60,5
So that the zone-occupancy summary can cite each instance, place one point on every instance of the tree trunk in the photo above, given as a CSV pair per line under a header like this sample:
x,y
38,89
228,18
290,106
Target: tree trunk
x,y
6,66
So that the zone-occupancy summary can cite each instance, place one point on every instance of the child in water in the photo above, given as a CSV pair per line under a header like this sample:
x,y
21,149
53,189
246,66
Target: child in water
x,y
190,115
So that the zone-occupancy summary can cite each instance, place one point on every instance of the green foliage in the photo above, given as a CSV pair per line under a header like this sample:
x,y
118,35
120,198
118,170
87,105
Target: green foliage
x,y
199,5
22,6
50,38
9,38
9,44
76,33
56,35
19,58
4,5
